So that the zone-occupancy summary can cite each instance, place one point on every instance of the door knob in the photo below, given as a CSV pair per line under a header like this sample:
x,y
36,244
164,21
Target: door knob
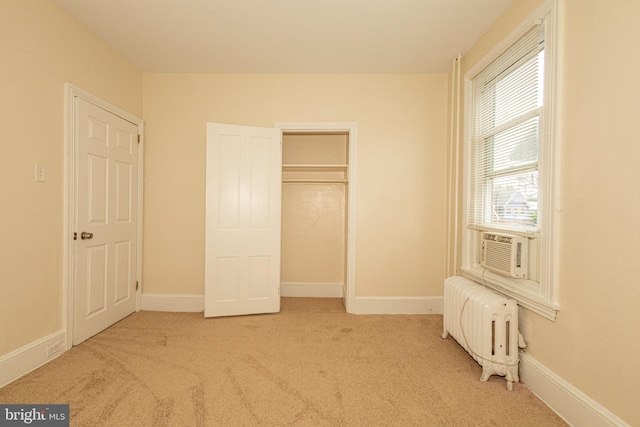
x,y
86,236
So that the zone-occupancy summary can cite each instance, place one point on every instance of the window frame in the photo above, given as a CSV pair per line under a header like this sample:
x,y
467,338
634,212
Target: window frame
x,y
539,291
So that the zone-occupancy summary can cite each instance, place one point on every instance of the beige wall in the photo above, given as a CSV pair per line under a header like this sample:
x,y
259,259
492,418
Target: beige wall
x,y
41,49
401,168
594,343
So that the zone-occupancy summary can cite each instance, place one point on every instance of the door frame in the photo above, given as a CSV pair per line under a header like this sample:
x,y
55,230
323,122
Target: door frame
x,y
69,218
351,128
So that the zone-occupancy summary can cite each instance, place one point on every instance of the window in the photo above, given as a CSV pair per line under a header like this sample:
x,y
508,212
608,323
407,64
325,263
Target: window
x,y
509,158
507,107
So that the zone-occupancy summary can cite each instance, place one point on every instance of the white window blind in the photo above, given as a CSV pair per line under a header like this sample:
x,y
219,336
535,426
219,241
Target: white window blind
x,y
507,100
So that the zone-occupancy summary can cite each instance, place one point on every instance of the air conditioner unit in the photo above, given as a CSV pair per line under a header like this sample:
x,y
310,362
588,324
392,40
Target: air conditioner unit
x,y
505,254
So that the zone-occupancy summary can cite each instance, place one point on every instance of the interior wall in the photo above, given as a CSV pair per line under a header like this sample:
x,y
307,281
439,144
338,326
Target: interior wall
x,y
41,49
401,168
313,214
593,344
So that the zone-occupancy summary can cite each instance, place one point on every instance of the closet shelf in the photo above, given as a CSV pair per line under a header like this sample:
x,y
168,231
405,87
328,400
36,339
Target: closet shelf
x,y
311,167
313,181
298,173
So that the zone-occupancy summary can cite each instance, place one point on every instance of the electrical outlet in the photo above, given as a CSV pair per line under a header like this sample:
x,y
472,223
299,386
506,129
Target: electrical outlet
x,y
40,173
54,348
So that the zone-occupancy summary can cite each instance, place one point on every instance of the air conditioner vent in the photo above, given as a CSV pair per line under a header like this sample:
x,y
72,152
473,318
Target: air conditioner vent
x,y
505,254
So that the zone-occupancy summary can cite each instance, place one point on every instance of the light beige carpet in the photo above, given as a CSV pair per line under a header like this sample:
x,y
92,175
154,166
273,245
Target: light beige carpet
x,y
310,365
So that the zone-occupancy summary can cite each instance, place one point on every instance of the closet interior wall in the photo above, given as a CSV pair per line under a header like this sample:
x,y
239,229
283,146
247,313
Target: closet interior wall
x,y
314,214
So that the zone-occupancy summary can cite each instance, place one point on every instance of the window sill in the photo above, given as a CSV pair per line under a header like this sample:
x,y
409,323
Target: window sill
x,y
525,292
517,232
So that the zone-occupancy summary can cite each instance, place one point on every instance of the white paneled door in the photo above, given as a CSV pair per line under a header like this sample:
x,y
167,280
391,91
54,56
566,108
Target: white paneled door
x,y
106,185
243,209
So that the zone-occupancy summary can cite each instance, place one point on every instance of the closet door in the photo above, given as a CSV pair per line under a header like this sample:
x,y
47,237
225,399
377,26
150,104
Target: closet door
x,y
243,209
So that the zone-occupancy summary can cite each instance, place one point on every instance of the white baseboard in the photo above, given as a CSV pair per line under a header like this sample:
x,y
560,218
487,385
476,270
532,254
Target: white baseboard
x,y
576,408
31,356
364,305
311,290
173,302
399,305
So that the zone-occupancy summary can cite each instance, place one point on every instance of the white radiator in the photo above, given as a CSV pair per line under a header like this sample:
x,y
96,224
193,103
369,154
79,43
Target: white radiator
x,y
485,324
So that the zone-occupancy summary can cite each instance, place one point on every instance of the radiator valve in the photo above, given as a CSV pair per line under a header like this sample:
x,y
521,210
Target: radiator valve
x,y
521,341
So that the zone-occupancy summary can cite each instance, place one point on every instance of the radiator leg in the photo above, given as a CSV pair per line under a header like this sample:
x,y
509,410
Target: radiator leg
x,y
445,334
507,376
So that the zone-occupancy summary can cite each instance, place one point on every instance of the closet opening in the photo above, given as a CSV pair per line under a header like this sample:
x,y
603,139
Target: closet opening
x,y
316,245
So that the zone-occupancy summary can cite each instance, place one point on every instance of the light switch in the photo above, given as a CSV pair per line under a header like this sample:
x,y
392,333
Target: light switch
x,y
40,173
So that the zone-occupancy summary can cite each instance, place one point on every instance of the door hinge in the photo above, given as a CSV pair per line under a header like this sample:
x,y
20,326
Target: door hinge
x,y
75,236
138,138
137,285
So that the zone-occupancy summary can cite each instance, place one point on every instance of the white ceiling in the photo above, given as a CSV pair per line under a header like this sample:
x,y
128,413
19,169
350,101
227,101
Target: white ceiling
x,y
288,36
